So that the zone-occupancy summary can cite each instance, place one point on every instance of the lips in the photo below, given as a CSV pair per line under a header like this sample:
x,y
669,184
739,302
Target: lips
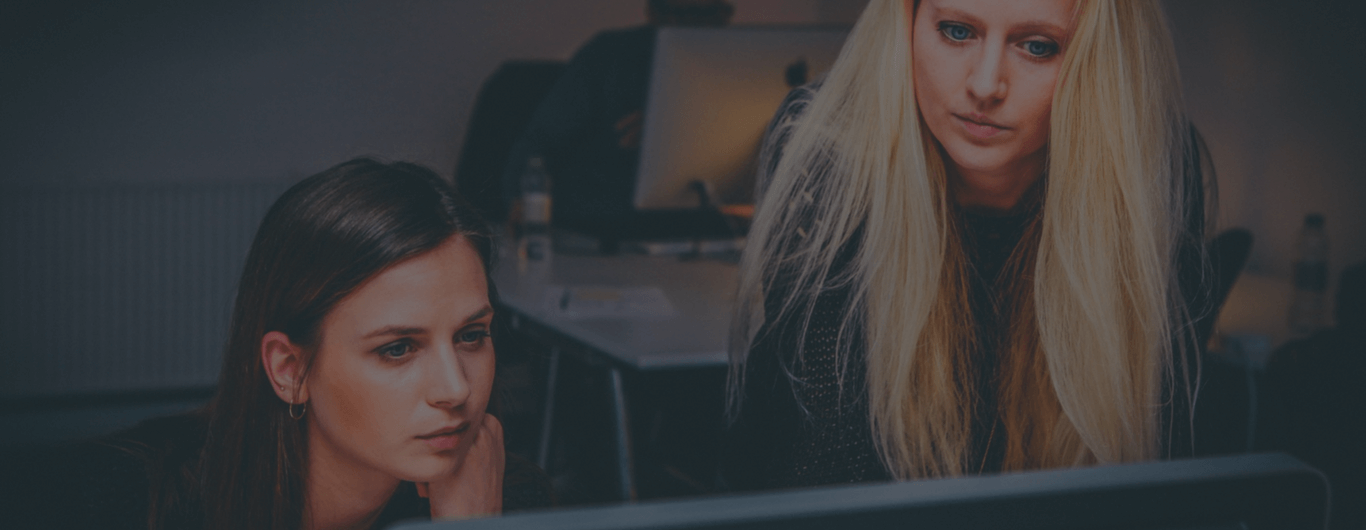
x,y
978,126
445,438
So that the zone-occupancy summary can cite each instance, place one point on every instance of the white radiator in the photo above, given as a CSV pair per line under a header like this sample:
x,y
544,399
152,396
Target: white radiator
x,y
120,289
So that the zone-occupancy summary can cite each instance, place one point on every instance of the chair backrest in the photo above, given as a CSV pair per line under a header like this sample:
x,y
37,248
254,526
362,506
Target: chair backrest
x,y
502,111
1228,253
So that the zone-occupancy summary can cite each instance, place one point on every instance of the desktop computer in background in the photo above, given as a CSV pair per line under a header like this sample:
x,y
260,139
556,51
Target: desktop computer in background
x,y
712,94
1248,492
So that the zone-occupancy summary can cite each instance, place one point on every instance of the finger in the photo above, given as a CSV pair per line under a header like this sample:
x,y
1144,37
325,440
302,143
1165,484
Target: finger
x,y
627,121
630,139
495,429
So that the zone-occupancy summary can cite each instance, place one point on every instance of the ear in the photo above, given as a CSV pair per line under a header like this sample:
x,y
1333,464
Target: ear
x,y
284,364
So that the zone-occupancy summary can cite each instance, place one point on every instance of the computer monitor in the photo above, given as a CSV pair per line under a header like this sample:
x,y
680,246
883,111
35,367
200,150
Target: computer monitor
x,y
1253,492
712,93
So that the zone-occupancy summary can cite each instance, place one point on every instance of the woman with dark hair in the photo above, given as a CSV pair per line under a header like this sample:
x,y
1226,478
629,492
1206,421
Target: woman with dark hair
x,y
357,376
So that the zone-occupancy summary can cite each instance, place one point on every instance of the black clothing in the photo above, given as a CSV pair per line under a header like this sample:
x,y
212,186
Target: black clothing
x,y
989,241
575,129
110,480
815,432
806,429
810,432
587,131
1315,409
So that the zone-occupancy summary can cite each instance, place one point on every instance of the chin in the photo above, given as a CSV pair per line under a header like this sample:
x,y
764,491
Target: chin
x,y
428,468
975,158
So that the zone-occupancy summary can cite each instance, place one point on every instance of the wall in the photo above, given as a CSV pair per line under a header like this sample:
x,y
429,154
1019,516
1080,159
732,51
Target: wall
x,y
157,91
167,91
110,102
1276,87
133,130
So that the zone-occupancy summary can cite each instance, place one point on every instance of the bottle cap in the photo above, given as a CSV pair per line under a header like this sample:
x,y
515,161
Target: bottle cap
x,y
1313,220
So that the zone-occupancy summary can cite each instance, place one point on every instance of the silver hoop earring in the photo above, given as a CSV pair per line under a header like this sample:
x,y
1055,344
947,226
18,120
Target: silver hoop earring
x,y
303,409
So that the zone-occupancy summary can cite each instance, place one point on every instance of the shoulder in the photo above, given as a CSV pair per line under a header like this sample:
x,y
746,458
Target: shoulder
x,y
627,35
617,41
778,131
792,108
795,104
161,444
107,482
115,480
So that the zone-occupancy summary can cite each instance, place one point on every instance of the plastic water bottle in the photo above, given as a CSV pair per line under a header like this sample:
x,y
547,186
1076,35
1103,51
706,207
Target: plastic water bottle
x,y
1311,278
533,248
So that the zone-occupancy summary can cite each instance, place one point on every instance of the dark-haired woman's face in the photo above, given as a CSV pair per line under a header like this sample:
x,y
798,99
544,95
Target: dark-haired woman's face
x,y
984,72
404,369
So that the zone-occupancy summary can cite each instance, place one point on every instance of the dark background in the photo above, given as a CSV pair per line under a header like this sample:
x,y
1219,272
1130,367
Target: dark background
x,y
98,95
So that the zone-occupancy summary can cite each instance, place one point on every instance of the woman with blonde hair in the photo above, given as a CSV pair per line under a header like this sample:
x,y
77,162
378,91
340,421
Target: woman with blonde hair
x,y
976,249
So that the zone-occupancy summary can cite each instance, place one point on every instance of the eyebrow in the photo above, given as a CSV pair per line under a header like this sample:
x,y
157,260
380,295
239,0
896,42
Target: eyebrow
x,y
400,331
1031,26
479,314
1039,26
949,12
395,330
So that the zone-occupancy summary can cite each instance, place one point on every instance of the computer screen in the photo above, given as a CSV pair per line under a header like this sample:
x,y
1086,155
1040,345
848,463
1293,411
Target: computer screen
x,y
712,93
1253,492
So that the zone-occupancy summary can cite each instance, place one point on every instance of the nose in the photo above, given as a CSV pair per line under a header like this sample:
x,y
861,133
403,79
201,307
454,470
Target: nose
x,y
449,389
987,80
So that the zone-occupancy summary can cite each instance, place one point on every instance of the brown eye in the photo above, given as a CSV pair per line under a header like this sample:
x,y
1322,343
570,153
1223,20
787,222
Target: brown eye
x,y
473,337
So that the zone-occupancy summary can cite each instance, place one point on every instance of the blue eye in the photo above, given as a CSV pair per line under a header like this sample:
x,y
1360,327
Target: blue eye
x,y
955,32
1039,48
396,350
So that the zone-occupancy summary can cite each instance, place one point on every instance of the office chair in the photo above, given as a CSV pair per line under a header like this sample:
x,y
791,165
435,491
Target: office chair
x,y
1226,409
1228,252
502,111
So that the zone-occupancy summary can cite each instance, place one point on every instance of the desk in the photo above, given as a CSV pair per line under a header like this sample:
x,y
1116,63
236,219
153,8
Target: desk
x,y
700,291
1258,305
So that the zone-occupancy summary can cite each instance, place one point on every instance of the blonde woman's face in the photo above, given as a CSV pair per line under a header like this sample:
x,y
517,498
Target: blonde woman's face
x,y
984,72
404,370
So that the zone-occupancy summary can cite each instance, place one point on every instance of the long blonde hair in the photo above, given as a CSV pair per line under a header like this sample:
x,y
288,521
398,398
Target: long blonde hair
x,y
1095,309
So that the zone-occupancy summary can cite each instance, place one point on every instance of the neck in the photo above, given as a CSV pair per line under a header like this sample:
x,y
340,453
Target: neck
x,y
340,494
995,192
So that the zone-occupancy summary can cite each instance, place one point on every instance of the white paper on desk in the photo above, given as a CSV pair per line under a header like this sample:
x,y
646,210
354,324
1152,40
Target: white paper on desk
x,y
634,303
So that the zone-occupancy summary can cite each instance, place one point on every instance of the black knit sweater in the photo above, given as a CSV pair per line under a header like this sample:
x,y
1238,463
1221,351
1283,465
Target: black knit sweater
x,y
813,432
107,483
806,429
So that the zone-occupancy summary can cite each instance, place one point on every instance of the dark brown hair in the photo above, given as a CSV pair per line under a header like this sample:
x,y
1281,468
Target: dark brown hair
x,y
320,241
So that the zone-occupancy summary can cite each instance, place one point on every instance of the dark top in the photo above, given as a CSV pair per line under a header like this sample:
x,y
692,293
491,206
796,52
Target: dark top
x,y
808,434
575,129
108,484
1315,409
805,430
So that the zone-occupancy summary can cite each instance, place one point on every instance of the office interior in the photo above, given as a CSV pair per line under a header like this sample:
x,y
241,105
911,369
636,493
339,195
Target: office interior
x,y
143,140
